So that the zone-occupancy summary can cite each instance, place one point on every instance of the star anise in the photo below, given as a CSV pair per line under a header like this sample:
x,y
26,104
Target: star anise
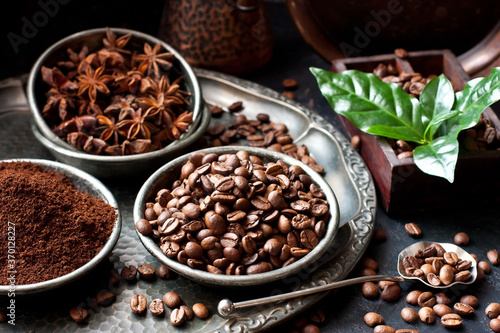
x,y
137,146
89,144
134,124
151,60
109,129
93,82
112,43
120,103
130,82
76,124
74,61
87,107
180,125
59,97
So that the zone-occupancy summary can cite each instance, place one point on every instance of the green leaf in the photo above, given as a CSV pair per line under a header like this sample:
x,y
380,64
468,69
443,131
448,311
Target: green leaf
x,y
436,99
371,105
438,158
477,95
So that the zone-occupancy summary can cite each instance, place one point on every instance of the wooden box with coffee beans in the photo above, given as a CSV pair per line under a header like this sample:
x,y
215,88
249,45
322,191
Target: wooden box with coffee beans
x,y
402,186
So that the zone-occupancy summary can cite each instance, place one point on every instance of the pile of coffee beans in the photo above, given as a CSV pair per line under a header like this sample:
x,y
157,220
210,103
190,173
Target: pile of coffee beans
x,y
235,214
437,266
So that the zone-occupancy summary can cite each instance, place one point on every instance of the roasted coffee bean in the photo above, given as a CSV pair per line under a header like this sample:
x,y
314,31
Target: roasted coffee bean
x,y
441,309
138,304
129,273
413,230
451,320
463,309
356,142
260,267
441,298
470,300
177,317
78,315
105,298
495,325
187,311
492,256
409,315
391,293
370,263
383,284
463,276
379,235
384,329
172,299
433,279
143,226
317,316
373,319
289,84
492,310
406,330
308,239
426,315
365,271
370,290
446,274
156,307
146,271
235,107
200,310
412,297
461,238
426,299
451,258
164,272
484,266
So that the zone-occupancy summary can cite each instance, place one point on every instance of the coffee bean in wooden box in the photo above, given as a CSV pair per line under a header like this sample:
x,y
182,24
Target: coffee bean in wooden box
x,y
402,187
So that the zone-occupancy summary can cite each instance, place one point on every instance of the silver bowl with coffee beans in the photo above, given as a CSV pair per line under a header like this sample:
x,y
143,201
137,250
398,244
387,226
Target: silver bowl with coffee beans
x,y
51,237
115,102
236,216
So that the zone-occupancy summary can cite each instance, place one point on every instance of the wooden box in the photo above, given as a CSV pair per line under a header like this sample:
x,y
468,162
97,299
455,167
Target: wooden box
x,y
402,187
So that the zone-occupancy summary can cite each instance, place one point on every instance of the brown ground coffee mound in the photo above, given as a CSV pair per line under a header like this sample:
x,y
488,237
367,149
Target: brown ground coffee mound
x,y
57,227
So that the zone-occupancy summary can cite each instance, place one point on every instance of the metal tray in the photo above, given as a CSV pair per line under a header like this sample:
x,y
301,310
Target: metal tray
x,y
345,172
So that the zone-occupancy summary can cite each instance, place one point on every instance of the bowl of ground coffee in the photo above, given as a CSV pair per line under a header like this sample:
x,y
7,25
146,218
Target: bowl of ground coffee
x,y
236,216
115,102
58,223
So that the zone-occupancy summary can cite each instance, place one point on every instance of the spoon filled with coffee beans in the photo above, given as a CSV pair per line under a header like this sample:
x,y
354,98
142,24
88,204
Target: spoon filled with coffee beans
x,y
438,265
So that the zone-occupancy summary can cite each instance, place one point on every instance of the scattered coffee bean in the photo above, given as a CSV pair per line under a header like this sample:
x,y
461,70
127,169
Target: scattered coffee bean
x,y
146,271
201,311
406,330
356,142
177,317
143,226
187,310
310,328
451,320
317,316
475,257
470,300
235,107
412,297
382,284
441,298
384,329
492,310
129,273
289,94
391,293
402,156
215,110
289,83
426,315
156,307
164,272
379,235
493,257
426,299
369,263
484,266
409,315
105,298
370,290
413,230
461,238
78,315
495,325
441,309
138,304
172,299
373,319
463,309
365,271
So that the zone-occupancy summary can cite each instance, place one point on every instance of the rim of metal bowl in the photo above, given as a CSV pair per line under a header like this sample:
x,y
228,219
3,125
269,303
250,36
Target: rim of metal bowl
x,y
146,192
76,176
186,139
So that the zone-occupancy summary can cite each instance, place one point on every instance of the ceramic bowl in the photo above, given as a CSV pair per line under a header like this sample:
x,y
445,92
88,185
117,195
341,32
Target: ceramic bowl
x,y
103,166
87,184
171,171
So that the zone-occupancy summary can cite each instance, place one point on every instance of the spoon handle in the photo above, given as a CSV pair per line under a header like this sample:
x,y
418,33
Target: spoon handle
x,y
226,306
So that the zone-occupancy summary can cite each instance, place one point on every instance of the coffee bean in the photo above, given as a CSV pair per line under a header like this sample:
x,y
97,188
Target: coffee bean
x,y
373,319
409,315
391,293
143,226
406,330
463,309
200,310
260,267
493,257
138,304
451,320
384,329
356,142
78,315
441,309
370,263
484,266
461,238
433,279
177,317
317,316
146,271
172,299
446,274
413,230
451,258
156,307
289,94
470,300
412,297
426,315
188,312
105,298
129,273
383,284
492,310
235,107
365,271
426,299
463,276
379,235
495,325
289,83
370,290
441,298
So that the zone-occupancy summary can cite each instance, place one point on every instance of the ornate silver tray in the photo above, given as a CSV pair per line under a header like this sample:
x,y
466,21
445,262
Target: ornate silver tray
x,y
345,171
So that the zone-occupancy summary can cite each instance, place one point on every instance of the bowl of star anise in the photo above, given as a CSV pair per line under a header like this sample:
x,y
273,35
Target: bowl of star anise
x,y
115,102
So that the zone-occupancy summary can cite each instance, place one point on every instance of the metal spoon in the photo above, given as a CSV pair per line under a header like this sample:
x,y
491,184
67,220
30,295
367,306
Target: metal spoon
x,y
226,307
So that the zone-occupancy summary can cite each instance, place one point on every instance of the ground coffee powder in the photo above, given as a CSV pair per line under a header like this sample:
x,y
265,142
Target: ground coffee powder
x,y
57,227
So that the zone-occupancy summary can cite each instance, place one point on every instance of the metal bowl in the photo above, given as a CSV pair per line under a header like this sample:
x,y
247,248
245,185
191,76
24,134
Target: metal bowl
x,y
171,171
112,166
87,184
